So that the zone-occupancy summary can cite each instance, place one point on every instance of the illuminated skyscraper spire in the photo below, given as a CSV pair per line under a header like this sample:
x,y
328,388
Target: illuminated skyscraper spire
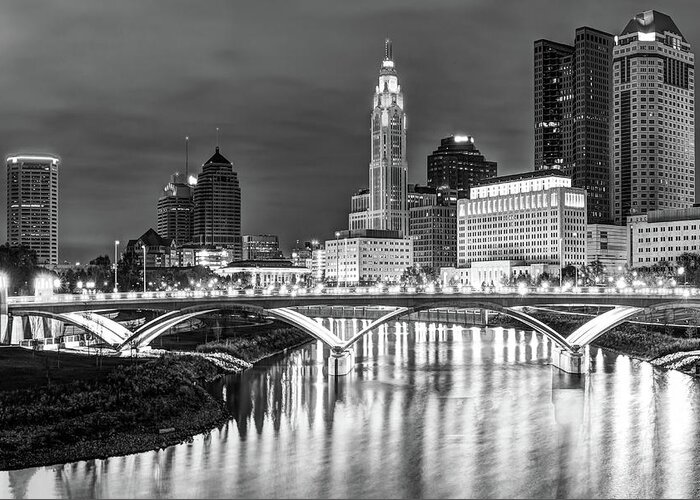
x,y
388,167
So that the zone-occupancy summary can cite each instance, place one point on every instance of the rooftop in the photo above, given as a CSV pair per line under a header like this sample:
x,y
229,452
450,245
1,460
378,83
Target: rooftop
x,y
537,174
651,21
217,158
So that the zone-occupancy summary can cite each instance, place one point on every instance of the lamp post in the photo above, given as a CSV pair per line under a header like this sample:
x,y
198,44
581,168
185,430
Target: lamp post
x,y
116,244
144,267
345,261
337,261
561,262
681,272
575,268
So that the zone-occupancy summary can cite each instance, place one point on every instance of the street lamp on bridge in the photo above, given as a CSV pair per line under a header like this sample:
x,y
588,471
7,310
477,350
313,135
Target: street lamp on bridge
x,y
144,267
116,244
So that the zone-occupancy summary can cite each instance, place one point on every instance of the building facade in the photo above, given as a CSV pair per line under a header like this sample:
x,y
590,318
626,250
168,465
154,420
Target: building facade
x,y
217,206
550,60
359,210
433,226
572,114
654,118
457,164
176,210
607,244
318,264
263,273
659,237
367,256
528,219
261,247
158,251
32,205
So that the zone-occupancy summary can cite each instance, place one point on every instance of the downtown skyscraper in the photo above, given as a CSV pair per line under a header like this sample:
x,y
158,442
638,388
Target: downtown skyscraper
x,y
217,206
385,201
654,118
176,210
32,205
572,114
458,164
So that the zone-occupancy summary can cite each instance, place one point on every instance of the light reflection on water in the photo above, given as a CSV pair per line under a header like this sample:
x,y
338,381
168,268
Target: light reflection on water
x,y
432,410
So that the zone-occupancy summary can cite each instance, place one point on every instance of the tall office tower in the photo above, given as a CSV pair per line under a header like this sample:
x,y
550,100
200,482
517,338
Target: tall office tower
x,y
261,247
550,59
457,164
217,206
653,128
176,210
433,226
388,167
32,205
572,114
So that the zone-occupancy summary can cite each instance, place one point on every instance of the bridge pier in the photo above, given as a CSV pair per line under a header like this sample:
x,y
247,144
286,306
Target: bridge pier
x,y
341,363
569,362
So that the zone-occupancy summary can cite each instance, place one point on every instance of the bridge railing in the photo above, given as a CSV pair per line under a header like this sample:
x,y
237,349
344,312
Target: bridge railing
x,y
357,291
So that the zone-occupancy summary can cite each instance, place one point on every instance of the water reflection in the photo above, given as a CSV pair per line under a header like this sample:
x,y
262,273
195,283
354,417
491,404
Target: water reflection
x,y
431,410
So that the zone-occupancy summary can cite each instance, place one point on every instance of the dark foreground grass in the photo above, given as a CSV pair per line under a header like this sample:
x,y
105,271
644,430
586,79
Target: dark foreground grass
x,y
81,411
121,413
22,368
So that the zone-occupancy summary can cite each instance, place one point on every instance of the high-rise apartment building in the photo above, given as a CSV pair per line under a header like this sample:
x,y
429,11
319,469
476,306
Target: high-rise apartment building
x,y
653,118
457,164
217,206
388,168
572,114
176,210
32,204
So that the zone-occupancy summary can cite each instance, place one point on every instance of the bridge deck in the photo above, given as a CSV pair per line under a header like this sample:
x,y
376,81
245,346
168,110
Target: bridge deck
x,y
167,301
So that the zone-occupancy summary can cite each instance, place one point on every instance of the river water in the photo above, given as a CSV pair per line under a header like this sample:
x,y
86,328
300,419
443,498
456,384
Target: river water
x,y
431,411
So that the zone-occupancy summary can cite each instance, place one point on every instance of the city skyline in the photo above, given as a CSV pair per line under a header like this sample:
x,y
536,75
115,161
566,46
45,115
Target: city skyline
x,y
117,110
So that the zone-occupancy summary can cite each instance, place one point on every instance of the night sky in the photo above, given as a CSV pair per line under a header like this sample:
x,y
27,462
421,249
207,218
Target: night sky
x,y
114,87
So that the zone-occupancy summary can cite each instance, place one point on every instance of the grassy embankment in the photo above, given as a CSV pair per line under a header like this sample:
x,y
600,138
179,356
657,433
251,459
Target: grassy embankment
x,y
51,414
642,341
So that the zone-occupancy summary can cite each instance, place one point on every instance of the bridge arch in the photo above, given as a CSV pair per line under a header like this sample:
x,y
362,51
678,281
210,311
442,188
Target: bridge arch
x,y
513,312
594,328
106,329
158,326
598,326
154,328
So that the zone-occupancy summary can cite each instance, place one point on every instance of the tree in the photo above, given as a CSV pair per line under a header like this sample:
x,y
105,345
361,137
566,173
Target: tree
x,y
245,278
100,271
569,272
19,264
690,262
543,278
129,270
411,276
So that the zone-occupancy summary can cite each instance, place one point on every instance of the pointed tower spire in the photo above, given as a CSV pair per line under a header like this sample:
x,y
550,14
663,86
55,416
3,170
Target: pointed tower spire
x,y
388,56
217,139
187,158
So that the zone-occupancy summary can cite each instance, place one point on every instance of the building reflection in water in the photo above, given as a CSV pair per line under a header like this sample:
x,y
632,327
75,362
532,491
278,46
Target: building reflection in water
x,y
431,410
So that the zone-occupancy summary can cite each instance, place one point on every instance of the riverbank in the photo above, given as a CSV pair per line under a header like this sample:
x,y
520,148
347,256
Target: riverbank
x,y
129,408
639,341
